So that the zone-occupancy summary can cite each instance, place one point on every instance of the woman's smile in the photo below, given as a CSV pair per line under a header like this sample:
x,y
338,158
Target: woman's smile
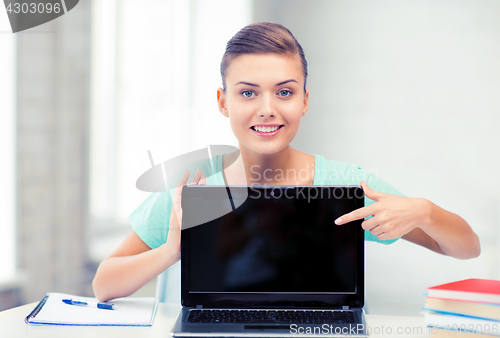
x,y
264,100
267,130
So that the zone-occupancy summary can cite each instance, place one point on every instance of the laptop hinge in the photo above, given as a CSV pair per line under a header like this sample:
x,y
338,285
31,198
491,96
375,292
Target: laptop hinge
x,y
199,306
345,307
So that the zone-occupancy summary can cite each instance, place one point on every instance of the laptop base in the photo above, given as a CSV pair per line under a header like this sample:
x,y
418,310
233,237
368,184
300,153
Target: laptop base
x,y
182,328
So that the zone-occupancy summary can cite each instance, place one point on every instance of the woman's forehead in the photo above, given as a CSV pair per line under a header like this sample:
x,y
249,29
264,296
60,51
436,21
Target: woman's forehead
x,y
265,67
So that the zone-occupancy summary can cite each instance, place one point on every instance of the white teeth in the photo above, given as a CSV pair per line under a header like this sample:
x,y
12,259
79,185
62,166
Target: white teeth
x,y
266,129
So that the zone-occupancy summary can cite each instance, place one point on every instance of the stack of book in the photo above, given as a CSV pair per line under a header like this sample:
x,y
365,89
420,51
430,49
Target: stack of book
x,y
464,309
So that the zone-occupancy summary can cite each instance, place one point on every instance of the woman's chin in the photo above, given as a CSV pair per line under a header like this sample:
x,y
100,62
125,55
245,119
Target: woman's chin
x,y
266,150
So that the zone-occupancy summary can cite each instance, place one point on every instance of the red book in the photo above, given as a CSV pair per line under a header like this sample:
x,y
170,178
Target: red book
x,y
469,290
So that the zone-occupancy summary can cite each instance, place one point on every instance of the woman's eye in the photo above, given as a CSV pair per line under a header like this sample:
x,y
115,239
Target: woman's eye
x,y
284,92
247,93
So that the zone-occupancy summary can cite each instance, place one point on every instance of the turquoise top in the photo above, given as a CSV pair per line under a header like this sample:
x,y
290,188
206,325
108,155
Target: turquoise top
x,y
150,220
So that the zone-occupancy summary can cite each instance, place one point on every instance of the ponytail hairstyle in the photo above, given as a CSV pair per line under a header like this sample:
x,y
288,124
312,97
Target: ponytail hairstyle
x,y
262,38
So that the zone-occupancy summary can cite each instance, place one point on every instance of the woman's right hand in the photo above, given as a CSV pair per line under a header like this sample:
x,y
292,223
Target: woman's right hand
x,y
173,244
134,263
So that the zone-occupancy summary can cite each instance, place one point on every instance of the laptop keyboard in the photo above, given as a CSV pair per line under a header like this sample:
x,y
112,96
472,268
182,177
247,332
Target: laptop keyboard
x,y
271,316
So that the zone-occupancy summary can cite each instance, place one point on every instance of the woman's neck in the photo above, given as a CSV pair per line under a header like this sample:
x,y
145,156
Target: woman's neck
x,y
288,167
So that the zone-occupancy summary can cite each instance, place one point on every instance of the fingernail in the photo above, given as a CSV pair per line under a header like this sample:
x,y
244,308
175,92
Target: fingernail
x,y
338,221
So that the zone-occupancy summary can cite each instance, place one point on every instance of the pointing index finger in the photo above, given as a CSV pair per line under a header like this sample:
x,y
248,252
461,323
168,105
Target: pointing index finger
x,y
360,213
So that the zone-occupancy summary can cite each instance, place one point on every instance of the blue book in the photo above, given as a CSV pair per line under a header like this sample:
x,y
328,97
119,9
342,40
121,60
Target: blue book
x,y
461,308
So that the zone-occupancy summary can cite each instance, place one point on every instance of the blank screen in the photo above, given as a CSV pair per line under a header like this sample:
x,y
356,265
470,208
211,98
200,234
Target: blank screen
x,y
274,245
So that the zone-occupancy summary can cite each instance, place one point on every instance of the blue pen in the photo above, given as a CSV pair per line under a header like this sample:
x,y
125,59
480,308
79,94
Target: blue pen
x,y
97,305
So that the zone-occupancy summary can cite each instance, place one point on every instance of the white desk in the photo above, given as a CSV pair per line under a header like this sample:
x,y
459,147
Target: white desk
x,y
12,325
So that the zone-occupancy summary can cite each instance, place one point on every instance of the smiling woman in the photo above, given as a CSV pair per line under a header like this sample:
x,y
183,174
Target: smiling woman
x,y
264,96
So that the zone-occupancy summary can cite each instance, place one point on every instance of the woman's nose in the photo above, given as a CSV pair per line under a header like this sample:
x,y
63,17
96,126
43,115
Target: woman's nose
x,y
266,108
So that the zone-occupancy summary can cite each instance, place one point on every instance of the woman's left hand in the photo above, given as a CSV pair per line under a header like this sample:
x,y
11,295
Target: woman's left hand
x,y
393,216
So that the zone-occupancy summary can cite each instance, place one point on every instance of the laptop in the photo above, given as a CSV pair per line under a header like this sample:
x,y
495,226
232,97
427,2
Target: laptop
x,y
269,261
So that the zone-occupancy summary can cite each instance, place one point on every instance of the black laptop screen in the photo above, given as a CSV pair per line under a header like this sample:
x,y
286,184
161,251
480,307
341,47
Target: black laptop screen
x,y
272,245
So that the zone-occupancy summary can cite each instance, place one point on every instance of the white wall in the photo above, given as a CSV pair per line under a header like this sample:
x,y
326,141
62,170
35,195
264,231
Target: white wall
x,y
7,148
409,89
155,78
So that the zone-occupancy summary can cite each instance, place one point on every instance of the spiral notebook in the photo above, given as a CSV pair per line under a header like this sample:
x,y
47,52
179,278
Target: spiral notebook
x,y
130,311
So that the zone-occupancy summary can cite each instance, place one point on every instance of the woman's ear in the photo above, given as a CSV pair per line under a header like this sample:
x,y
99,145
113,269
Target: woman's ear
x,y
221,101
306,102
